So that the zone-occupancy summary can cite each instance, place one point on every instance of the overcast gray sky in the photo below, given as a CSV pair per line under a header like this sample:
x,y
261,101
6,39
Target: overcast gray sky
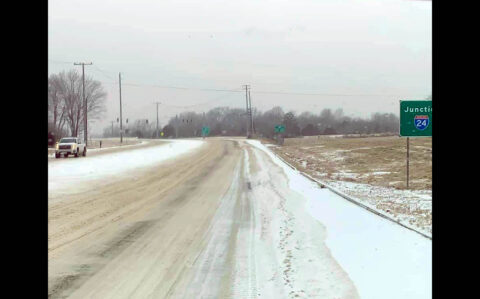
x,y
360,55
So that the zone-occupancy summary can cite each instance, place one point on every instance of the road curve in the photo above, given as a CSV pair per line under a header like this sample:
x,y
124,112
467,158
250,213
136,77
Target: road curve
x,y
217,222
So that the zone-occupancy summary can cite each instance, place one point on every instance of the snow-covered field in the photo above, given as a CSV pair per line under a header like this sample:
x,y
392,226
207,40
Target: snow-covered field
x,y
383,259
370,170
410,207
68,172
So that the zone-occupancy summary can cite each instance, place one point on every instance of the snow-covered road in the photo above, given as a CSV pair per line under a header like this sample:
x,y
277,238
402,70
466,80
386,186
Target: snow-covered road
x,y
383,259
228,220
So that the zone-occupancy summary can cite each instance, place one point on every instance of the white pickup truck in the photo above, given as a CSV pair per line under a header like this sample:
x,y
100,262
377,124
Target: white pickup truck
x,y
70,146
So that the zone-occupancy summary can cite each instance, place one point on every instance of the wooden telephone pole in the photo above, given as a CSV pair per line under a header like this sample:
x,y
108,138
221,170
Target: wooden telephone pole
x,y
85,120
157,117
248,109
120,92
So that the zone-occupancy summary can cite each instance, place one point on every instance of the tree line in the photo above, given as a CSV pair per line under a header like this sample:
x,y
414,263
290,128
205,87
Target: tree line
x,y
66,116
225,121
66,106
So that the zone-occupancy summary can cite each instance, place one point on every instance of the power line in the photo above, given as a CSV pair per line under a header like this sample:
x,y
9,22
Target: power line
x,y
61,62
328,94
237,90
183,88
142,108
267,92
199,104
103,72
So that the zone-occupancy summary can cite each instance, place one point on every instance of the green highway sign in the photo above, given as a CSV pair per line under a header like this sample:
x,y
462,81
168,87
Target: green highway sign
x,y
279,128
205,131
415,118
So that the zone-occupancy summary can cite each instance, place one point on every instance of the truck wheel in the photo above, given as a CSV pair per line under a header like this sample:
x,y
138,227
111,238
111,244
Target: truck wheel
x,y
57,155
76,154
84,151
65,155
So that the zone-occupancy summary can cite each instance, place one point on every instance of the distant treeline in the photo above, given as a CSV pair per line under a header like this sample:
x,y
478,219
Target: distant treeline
x,y
225,121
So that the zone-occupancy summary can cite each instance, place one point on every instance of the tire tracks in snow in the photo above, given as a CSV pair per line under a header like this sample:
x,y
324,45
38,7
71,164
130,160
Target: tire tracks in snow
x,y
93,258
305,266
245,282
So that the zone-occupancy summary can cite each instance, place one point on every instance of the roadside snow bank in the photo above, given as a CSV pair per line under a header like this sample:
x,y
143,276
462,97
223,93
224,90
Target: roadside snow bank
x,y
64,173
383,259
412,208
93,150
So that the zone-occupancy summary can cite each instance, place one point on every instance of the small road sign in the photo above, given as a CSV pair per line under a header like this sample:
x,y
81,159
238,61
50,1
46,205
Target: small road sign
x,y
205,131
415,118
279,128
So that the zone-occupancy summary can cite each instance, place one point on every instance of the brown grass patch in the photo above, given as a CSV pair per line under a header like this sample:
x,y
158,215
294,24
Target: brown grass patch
x,y
379,161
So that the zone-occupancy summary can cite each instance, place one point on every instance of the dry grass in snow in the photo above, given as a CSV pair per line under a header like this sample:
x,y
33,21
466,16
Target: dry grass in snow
x,y
379,161
372,169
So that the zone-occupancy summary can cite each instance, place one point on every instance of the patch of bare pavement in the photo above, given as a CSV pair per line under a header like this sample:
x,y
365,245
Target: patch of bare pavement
x,y
217,222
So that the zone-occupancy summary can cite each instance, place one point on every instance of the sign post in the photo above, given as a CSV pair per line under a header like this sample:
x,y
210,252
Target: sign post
x,y
279,129
415,121
408,159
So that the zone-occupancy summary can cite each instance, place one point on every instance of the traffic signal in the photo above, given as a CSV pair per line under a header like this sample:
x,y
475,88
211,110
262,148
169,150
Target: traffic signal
x,y
127,120
146,121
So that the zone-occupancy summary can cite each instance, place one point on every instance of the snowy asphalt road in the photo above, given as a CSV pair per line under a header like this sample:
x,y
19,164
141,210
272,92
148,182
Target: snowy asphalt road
x,y
218,219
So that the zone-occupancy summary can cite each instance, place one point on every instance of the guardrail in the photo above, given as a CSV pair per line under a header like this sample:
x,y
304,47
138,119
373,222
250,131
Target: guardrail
x,y
351,199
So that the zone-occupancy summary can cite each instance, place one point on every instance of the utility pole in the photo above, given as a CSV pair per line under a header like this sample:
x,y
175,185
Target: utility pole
x,y
203,125
157,117
176,126
246,100
251,113
84,99
120,87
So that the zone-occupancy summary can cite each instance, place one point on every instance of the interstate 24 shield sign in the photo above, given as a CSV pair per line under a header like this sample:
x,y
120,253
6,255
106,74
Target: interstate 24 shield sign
x,y
421,122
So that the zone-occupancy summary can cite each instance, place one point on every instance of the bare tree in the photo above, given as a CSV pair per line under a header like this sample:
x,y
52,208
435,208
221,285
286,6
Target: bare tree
x,y
66,92
56,107
291,125
96,97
